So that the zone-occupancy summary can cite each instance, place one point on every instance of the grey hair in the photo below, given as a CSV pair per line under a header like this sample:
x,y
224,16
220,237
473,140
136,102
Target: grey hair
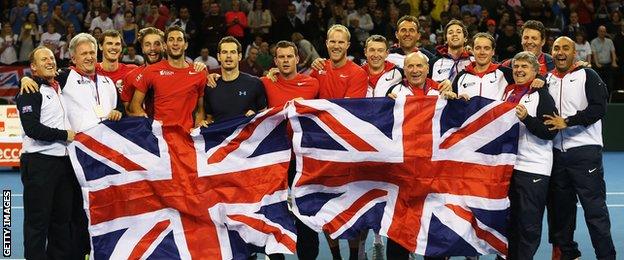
x,y
528,57
80,38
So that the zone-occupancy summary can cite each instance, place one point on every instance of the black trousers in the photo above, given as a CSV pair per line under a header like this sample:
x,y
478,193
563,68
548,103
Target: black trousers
x,y
79,224
48,200
527,196
578,172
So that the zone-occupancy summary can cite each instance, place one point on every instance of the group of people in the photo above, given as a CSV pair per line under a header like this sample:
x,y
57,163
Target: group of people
x,y
559,102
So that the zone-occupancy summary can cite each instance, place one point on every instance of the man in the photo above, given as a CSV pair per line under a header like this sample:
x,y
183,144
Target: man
x,y
209,61
361,23
482,77
289,84
528,189
236,93
178,88
287,25
577,164
340,78
408,35
452,57
533,40
249,64
213,27
185,22
111,46
89,99
508,42
416,83
377,67
44,165
102,21
603,52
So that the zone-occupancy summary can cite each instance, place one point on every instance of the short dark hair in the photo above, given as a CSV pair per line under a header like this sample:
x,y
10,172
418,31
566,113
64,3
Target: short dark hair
x,y
535,25
485,35
409,18
175,28
149,30
455,22
110,33
230,39
286,44
377,38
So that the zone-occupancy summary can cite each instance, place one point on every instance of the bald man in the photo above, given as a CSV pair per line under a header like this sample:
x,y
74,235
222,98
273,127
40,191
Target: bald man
x,y
577,154
604,57
415,82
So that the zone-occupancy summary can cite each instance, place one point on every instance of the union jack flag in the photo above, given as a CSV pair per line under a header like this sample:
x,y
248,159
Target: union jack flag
x,y
9,80
430,174
153,191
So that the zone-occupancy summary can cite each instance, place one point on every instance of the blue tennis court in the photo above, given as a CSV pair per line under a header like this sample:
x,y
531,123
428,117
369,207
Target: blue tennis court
x,y
613,164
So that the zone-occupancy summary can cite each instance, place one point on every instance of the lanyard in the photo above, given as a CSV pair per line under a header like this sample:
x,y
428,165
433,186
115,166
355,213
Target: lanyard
x,y
97,92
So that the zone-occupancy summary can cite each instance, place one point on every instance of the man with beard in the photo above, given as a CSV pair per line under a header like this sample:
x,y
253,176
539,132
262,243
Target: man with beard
x,y
178,88
151,40
452,57
528,189
244,93
378,67
577,158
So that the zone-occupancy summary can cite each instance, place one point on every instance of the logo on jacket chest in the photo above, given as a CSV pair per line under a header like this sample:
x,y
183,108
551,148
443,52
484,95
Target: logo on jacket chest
x,y
468,84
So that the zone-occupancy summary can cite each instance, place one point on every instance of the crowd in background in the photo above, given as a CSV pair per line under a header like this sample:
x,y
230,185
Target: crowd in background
x,y
259,24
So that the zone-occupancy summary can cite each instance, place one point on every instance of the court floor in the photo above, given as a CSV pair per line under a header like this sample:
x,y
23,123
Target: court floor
x,y
614,169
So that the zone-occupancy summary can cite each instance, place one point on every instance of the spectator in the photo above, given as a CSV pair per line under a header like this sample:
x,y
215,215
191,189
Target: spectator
x,y
8,54
338,16
189,26
307,52
508,43
213,28
59,21
553,23
303,9
93,11
605,60
380,25
249,65
33,6
205,58
130,30
158,17
350,7
265,59
73,11
601,14
52,40
614,24
618,41
141,11
227,5
29,36
256,43
118,16
361,23
583,48
472,8
316,26
45,14
70,32
574,26
491,28
288,25
259,19
236,22
102,21
132,57
18,16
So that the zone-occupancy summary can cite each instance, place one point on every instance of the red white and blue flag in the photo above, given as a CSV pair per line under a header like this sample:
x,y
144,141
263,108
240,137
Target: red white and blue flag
x,y
153,191
430,174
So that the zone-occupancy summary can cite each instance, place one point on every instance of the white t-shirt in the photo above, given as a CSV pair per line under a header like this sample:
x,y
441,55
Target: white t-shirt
x,y
9,55
211,63
52,41
104,25
582,50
